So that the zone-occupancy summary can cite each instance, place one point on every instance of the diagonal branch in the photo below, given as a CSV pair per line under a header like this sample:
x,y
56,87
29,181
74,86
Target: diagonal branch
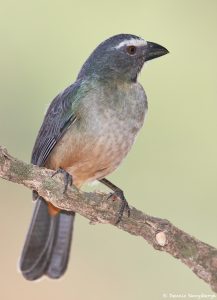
x,y
160,233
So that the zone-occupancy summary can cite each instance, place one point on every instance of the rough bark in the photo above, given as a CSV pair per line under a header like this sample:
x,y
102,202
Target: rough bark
x,y
200,257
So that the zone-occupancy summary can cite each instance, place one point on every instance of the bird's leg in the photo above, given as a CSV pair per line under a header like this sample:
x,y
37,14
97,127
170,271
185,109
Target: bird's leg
x,y
118,193
68,180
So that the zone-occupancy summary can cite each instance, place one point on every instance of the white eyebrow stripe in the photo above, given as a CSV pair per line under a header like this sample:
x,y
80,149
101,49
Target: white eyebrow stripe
x,y
131,42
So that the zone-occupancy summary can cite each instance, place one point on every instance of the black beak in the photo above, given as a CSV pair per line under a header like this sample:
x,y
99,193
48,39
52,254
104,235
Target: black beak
x,y
154,51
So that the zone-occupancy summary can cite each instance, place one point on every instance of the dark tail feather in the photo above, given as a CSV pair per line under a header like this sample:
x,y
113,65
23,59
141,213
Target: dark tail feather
x,y
47,245
61,247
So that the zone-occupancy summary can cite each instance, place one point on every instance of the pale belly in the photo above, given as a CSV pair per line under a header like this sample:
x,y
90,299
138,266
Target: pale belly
x,y
95,147
88,158
102,158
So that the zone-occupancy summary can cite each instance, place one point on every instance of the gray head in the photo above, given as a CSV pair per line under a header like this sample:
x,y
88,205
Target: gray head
x,y
120,57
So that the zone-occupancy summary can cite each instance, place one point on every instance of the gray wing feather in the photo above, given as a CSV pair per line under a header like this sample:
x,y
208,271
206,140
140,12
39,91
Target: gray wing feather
x,y
58,118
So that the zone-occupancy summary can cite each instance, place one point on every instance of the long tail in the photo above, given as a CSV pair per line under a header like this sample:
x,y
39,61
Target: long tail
x,y
47,246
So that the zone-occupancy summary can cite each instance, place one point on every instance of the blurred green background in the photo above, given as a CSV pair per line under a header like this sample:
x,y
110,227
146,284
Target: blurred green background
x,y
171,171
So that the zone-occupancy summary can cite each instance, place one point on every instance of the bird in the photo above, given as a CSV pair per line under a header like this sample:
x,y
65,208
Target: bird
x,y
87,131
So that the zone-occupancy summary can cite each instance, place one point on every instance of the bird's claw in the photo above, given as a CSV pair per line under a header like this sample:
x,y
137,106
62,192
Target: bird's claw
x,y
68,180
118,193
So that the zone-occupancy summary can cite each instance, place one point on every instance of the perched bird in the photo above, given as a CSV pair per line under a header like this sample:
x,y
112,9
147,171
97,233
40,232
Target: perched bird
x,y
87,131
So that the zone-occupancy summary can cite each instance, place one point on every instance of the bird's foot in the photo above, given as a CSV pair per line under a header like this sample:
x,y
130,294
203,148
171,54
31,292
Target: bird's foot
x,y
118,193
68,180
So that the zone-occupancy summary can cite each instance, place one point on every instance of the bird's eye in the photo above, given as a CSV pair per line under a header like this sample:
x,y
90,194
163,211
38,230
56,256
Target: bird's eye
x,y
131,50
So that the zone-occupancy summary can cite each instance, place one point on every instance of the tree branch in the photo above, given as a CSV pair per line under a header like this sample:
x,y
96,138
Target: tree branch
x,y
201,258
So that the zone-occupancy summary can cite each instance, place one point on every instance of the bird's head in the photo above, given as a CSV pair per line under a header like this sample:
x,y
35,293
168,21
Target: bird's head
x,y
120,57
